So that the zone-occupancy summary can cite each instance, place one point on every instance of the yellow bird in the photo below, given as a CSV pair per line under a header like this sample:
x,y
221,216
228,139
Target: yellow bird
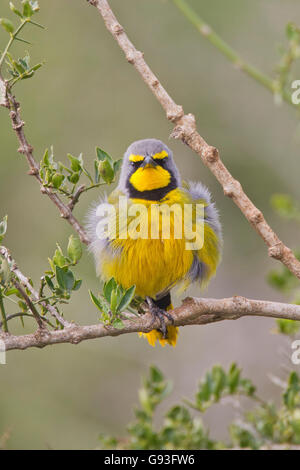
x,y
138,249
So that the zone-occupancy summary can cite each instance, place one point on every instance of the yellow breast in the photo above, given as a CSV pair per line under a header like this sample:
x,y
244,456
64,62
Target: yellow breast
x,y
154,265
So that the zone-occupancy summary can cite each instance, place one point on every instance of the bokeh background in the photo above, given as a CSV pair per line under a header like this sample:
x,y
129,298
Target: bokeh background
x,y
88,95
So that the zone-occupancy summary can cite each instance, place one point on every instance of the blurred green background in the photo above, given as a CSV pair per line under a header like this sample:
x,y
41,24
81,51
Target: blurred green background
x,y
88,95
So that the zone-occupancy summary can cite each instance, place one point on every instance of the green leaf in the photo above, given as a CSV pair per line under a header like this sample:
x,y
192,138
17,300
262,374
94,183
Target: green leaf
x,y
114,301
60,277
291,396
27,9
284,205
23,306
65,278
51,264
24,63
219,381
69,280
46,160
156,375
57,180
287,327
74,249
31,72
97,176
233,378
74,178
96,301
117,323
58,258
278,280
106,170
247,386
108,288
15,10
7,25
102,155
76,164
77,284
292,32
243,438
126,299
12,291
50,283
117,165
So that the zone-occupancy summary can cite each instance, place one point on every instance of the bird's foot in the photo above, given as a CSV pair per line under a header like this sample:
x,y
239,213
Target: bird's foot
x,y
159,313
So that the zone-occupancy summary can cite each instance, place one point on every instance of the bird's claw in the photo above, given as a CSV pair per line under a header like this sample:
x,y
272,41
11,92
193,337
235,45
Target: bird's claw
x,y
159,313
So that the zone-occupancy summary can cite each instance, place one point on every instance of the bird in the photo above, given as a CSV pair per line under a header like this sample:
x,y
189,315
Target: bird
x,y
149,179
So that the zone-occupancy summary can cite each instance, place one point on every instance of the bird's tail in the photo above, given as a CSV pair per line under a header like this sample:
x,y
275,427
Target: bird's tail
x,y
172,331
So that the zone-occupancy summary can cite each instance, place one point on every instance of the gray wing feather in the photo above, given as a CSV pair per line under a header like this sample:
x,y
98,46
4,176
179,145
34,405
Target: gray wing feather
x,y
98,246
198,192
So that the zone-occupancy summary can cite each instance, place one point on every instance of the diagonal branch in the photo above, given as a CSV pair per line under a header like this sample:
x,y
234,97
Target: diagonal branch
x,y
25,282
29,304
27,150
185,129
193,311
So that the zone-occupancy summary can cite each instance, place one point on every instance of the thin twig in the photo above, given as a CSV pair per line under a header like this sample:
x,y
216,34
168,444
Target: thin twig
x,y
185,129
76,196
23,314
213,37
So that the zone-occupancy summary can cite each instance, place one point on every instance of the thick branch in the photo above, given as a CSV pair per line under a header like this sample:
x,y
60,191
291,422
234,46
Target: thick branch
x,y
185,129
192,312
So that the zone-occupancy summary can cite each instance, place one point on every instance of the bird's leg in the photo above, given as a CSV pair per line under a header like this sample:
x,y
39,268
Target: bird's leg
x,y
159,313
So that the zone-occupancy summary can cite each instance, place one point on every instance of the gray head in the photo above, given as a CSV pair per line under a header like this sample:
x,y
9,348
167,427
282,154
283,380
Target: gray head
x,y
148,170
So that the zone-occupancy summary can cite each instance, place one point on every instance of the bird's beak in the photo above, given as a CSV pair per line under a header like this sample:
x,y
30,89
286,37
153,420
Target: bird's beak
x,y
148,162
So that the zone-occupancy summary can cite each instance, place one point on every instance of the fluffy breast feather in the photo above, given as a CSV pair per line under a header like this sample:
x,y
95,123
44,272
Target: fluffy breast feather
x,y
155,265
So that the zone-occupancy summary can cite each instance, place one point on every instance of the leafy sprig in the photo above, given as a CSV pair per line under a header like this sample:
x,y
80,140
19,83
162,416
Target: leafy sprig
x,y
60,279
219,384
265,425
289,55
56,285
113,302
65,179
19,69
282,279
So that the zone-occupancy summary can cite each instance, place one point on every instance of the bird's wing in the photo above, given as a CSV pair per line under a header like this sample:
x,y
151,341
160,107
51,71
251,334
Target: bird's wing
x,y
97,217
205,260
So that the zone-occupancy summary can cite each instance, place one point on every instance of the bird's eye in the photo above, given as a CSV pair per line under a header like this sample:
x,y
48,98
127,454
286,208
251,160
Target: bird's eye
x,y
135,164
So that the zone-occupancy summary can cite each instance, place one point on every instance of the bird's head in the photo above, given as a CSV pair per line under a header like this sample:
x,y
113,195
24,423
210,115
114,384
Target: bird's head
x,y
148,170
